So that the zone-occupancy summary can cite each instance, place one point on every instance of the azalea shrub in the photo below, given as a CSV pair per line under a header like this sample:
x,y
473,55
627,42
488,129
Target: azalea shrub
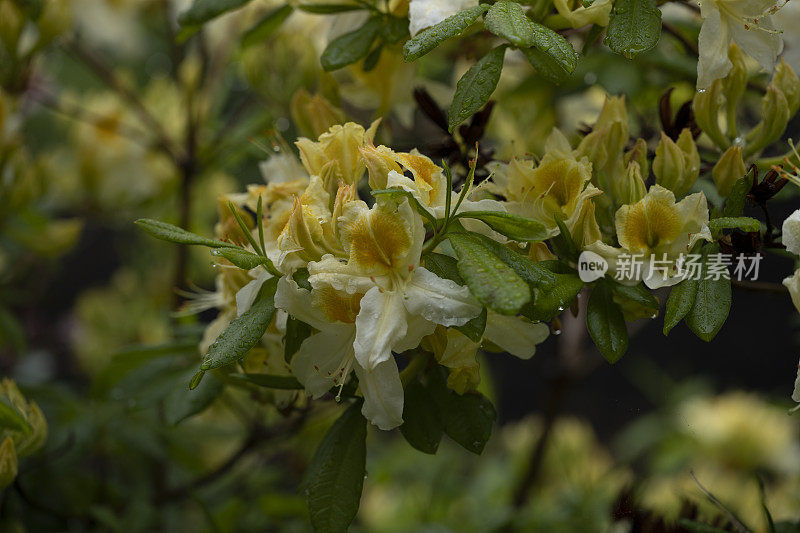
x,y
365,271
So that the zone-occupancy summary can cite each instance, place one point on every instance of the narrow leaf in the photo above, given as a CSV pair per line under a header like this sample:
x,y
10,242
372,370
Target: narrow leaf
x,y
743,223
734,205
427,40
422,427
679,303
335,478
512,226
168,232
605,323
244,331
266,26
244,259
350,47
204,10
634,27
712,302
552,55
491,281
476,86
509,21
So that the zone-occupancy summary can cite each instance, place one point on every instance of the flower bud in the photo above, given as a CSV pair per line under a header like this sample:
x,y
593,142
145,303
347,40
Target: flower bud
x,y
458,353
733,85
774,118
728,170
786,81
8,463
583,225
677,165
604,145
631,188
638,154
707,107
313,114
340,144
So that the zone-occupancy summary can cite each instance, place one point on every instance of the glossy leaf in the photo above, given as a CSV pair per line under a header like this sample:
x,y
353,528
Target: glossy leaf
x,y
742,223
634,27
605,323
476,86
244,331
168,232
712,302
552,55
422,427
244,259
491,282
446,267
467,418
509,21
350,47
512,226
428,39
335,478
679,303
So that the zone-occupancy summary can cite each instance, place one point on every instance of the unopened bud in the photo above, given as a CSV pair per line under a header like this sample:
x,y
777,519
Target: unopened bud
x,y
728,170
786,81
8,463
677,165
707,108
313,114
380,160
774,118
638,154
631,189
734,84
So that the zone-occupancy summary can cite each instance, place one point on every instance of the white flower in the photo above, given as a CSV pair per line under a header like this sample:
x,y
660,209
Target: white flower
x,y
426,13
747,23
790,233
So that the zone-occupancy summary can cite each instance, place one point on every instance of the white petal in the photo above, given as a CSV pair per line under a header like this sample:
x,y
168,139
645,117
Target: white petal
x,y
791,233
297,302
321,357
515,335
761,45
383,394
713,45
247,294
793,284
438,300
338,275
380,324
417,328
425,13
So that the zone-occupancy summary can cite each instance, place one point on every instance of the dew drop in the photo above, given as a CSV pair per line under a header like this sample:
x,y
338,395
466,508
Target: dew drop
x,y
701,91
557,332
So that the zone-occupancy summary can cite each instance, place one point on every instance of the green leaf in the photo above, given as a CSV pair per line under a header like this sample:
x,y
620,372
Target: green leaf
x,y
534,273
743,223
509,21
184,403
168,232
350,47
512,226
605,323
476,86
634,27
679,303
492,282
244,259
549,301
296,332
467,418
638,294
446,267
734,205
335,477
244,331
328,9
265,27
552,56
395,29
12,419
269,381
712,302
422,427
204,10
428,39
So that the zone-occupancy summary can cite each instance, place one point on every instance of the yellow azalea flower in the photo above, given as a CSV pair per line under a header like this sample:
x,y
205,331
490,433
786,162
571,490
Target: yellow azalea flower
x,y
747,23
658,231
380,300
558,187
335,156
